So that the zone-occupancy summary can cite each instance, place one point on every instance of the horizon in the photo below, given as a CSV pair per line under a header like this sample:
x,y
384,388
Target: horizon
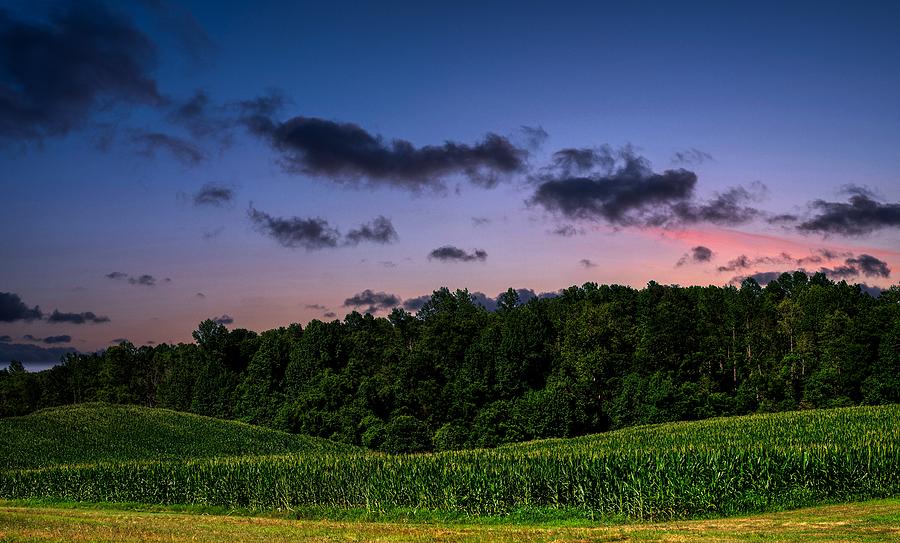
x,y
281,163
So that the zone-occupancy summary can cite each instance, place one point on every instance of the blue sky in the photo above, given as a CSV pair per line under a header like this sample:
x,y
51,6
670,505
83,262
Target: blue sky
x,y
798,98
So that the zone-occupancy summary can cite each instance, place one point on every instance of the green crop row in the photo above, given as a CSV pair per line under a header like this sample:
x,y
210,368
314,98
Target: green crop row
x,y
718,467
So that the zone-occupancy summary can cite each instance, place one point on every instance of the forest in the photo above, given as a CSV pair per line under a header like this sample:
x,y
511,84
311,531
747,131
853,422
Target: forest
x,y
455,375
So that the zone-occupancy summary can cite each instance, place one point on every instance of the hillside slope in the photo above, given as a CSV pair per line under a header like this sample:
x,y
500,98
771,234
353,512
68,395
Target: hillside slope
x,y
88,433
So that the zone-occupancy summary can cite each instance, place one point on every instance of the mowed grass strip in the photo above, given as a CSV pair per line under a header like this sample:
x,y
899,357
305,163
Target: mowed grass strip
x,y
862,522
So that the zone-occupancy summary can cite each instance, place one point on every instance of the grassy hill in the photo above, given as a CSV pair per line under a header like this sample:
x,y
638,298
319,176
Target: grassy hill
x,y
89,433
716,467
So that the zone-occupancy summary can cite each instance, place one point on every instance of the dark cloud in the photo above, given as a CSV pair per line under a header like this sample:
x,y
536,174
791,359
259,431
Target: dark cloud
x,y
853,266
415,304
145,280
691,157
50,340
571,162
587,263
5,339
212,234
329,314
203,120
200,295
449,253
740,263
224,319
345,152
32,354
317,307
567,231
620,188
149,143
373,301
763,278
870,266
380,230
55,74
13,309
480,221
861,214
534,136
119,340
697,255
213,195
293,232
874,292
86,317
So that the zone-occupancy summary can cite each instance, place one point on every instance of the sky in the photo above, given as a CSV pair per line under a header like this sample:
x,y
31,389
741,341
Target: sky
x,y
274,162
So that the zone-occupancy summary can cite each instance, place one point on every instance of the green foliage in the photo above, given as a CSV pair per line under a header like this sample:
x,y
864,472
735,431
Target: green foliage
x,y
594,358
89,433
675,470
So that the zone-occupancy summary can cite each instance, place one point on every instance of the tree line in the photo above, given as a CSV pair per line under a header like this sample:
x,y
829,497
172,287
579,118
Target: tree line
x,y
594,358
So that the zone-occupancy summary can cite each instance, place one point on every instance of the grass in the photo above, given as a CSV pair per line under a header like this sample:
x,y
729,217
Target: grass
x,y
94,432
877,521
716,468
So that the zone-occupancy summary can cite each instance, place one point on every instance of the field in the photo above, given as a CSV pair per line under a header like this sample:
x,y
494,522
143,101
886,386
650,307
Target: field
x,y
89,433
713,468
864,523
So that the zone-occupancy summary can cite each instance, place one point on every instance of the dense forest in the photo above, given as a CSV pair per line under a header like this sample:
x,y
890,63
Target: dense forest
x,y
455,375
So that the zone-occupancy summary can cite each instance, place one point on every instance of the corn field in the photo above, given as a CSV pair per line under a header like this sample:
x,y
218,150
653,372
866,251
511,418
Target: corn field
x,y
714,467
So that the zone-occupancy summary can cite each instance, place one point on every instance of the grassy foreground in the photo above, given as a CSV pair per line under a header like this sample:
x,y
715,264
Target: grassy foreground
x,y
861,522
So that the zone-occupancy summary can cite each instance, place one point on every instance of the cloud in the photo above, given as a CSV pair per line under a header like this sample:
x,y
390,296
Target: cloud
x,y
567,231
148,143
347,153
200,295
13,309
329,314
691,157
380,230
375,301
145,280
534,136
224,319
853,266
55,74
874,292
118,340
415,304
293,232
49,340
5,339
34,354
449,253
203,120
587,263
212,234
621,189
213,195
480,221
861,214
86,317
697,255
870,266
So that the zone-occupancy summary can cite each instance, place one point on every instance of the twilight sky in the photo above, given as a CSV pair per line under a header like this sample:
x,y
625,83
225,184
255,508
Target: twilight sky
x,y
165,162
